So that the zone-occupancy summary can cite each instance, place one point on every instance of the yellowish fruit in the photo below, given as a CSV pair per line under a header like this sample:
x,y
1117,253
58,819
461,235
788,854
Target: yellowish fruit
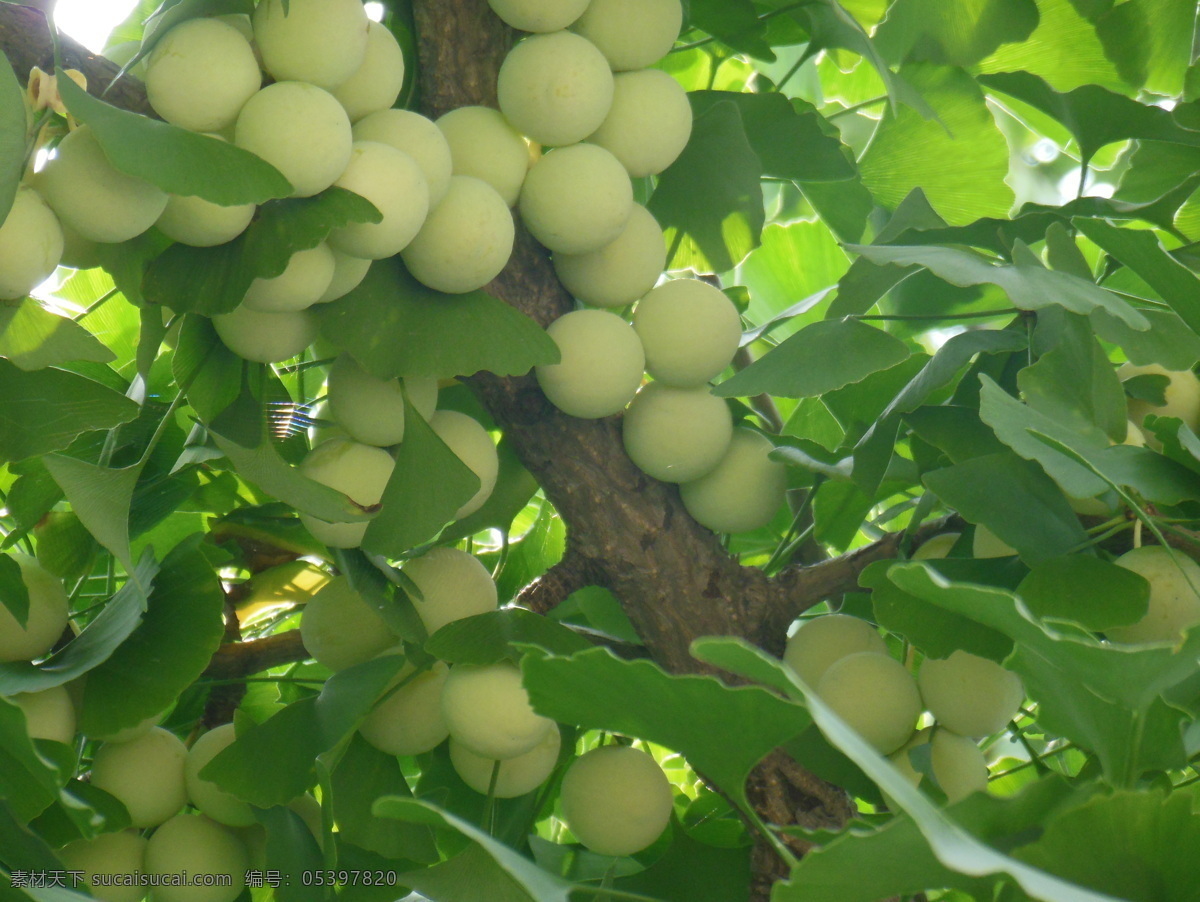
x,y
322,42
676,434
1182,395
824,640
265,337
46,619
453,585
538,15
1174,604
49,714
392,181
339,629
31,244
623,270
370,409
146,774
197,845
576,199
616,800
348,273
875,696
937,547
200,75
108,855
517,776
958,765
418,137
600,368
298,287
471,444
690,331
555,88
632,34
986,544
358,471
375,84
743,491
482,144
487,711
409,721
649,123
223,807
970,695
466,239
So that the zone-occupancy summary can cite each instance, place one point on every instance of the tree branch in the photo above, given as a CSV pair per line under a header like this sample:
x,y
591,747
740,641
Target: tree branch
x,y
239,659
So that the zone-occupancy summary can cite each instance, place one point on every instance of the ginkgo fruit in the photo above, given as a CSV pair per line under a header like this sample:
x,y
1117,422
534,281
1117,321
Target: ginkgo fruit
x,y
576,199
358,471
409,721
555,88
106,856
743,491
200,75
616,799
453,584
471,444
302,282
195,844
146,774
937,547
538,15
339,629
265,337
45,620
416,136
31,244
322,42
601,364
958,765
821,641
676,434
649,122
49,714
392,181
370,409
197,222
483,145
970,695
1174,603
376,83
986,544
514,776
1181,397
487,710
621,271
222,806
875,695
348,273
632,34
690,331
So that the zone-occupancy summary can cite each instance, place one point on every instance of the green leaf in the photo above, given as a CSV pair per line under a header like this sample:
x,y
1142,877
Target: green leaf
x,y
1150,41
538,550
208,372
14,128
293,853
820,358
95,645
494,636
693,715
953,846
101,498
174,159
444,335
274,761
427,486
709,201
46,410
28,781
212,280
1086,590
1013,498
363,775
734,23
1141,252
958,33
1094,115
175,641
1168,340
792,140
170,14
692,871
33,337
775,281
14,594
1029,286
959,159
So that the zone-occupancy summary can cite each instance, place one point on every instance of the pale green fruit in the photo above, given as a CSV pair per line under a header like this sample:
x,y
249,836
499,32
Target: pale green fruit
x,y
370,409
200,75
453,585
108,854
31,244
555,88
197,845
409,721
970,695
395,184
339,629
538,15
146,774
623,270
875,696
223,807
348,273
676,434
49,714
600,368
487,711
357,470
265,337
986,544
298,287
47,617
517,776
197,222
958,765
903,761
649,123
1134,436
743,491
690,331
416,136
937,547
576,199
376,84
822,641
241,23
78,252
616,799
1182,395
482,144
466,239
632,34
92,197
472,445
1174,604
300,130
322,42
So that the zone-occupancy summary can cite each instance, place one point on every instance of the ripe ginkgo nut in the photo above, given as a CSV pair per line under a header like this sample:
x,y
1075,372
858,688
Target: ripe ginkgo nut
x,y
195,844
690,331
516,776
376,83
49,714
483,145
576,199
632,34
372,410
970,695
958,765
339,629
358,471
538,15
1181,397
45,620
616,800
418,137
601,364
146,774
875,695
409,721
649,123
471,444
487,710
465,241
1174,604
676,434
265,337
223,807
392,181
31,244
322,42
743,491
623,270
302,282
821,641
107,855
453,584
